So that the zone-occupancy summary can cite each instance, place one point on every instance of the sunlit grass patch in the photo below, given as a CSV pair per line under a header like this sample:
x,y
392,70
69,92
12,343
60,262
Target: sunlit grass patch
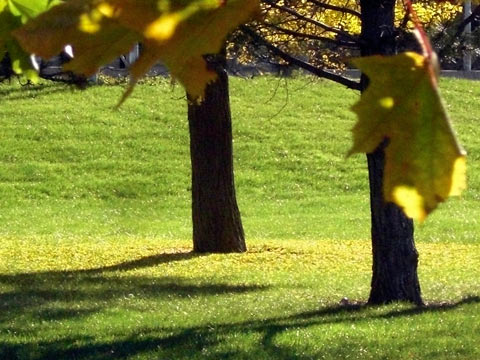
x,y
447,271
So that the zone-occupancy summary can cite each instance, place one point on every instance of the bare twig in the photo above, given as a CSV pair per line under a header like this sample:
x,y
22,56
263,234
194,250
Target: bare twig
x,y
335,8
312,36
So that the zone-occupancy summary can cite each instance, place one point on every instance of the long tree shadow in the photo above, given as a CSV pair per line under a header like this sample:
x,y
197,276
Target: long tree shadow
x,y
143,262
200,342
47,296
50,295
147,261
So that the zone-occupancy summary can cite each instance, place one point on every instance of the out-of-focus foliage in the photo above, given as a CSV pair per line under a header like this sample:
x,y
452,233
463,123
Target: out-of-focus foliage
x,y
13,14
176,32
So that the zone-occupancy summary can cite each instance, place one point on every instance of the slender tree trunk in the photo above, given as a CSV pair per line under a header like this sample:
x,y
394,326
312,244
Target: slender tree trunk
x,y
395,257
217,225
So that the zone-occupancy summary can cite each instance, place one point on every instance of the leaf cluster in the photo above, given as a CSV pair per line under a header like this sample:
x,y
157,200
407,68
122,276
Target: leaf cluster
x,y
176,32
14,14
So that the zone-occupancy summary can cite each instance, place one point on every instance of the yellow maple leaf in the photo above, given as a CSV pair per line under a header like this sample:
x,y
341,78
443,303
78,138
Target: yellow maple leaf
x,y
175,32
424,164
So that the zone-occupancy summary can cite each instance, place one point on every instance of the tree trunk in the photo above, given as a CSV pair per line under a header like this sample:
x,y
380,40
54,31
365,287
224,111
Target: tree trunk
x,y
6,70
395,257
217,225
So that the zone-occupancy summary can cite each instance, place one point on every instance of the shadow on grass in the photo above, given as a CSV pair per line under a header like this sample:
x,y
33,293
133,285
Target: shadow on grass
x,y
147,261
51,295
210,341
24,92
432,307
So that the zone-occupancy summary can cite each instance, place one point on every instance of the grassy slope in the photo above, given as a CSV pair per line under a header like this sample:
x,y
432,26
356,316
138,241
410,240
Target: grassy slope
x,y
82,187
98,172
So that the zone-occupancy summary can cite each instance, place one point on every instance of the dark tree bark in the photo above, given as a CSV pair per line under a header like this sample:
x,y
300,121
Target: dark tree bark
x,y
6,70
395,257
217,225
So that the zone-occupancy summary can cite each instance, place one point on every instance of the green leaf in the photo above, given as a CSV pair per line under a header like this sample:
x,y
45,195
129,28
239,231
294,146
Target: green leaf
x,y
27,9
424,164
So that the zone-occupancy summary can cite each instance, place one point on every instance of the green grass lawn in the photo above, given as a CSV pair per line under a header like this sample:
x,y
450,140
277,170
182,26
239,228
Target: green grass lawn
x,y
95,232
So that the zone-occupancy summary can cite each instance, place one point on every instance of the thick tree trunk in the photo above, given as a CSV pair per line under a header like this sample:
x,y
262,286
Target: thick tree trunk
x,y
395,257
217,225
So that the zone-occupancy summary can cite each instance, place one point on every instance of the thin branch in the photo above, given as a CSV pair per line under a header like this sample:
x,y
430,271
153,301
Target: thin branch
x,y
312,36
335,8
301,64
287,96
311,21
